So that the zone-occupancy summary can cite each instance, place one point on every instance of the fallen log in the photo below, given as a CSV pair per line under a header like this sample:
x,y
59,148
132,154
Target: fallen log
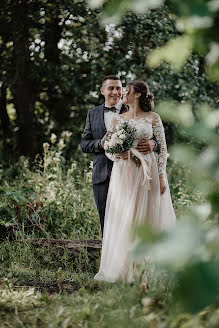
x,y
91,245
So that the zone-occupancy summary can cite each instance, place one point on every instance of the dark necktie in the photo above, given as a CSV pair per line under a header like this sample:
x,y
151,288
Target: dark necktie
x,y
109,109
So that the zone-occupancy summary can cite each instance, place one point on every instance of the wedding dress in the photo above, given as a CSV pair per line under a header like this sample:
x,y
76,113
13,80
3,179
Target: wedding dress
x,y
130,203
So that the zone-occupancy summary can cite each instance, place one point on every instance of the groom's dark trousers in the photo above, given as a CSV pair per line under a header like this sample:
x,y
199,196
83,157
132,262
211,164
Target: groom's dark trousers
x,y
100,195
93,133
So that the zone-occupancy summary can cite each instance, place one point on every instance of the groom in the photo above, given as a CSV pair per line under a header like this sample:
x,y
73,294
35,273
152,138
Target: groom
x,y
97,123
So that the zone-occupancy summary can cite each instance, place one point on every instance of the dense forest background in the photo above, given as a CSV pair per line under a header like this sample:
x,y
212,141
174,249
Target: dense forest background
x,y
54,55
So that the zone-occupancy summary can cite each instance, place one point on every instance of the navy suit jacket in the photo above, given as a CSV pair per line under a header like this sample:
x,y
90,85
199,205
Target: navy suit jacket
x,y
94,131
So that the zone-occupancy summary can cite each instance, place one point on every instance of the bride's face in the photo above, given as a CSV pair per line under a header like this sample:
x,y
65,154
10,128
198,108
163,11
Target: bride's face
x,y
128,95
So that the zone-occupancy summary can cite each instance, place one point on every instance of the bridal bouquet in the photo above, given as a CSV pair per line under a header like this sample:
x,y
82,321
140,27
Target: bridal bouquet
x,y
119,140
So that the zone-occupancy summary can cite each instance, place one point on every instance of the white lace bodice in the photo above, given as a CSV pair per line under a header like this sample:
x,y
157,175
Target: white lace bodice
x,y
146,128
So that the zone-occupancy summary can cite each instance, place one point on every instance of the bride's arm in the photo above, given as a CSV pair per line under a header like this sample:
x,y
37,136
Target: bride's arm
x,y
158,131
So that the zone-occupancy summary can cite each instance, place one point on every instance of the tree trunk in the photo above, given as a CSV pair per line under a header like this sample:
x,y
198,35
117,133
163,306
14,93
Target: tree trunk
x,y
52,36
57,102
23,84
4,119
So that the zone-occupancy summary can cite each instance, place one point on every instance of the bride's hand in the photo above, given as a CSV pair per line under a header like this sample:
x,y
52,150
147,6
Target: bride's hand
x,y
163,186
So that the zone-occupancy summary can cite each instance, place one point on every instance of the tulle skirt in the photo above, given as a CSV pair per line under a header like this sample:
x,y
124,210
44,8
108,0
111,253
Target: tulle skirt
x,y
129,203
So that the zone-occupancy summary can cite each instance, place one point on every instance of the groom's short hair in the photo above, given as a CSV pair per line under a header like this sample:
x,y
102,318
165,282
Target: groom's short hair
x,y
110,77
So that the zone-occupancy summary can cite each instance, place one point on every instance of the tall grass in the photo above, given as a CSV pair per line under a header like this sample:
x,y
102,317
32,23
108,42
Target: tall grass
x,y
53,199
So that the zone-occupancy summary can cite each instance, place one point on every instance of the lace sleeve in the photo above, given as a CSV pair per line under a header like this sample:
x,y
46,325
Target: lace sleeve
x,y
113,158
159,134
115,121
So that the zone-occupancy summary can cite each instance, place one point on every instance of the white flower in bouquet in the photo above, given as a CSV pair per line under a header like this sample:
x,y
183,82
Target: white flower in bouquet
x,y
119,141
112,143
122,139
119,132
122,136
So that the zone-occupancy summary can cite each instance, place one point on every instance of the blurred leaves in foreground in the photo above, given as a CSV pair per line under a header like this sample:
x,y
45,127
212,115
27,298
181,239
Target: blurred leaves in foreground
x,y
190,250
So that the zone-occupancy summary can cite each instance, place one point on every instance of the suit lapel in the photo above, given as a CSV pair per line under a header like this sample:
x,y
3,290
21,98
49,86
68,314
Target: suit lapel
x,y
102,123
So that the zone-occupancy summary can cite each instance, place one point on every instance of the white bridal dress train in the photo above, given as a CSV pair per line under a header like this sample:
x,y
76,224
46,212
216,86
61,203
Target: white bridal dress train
x,y
130,203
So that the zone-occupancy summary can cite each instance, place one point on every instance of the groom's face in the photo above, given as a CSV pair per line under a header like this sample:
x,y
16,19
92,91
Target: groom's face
x,y
112,91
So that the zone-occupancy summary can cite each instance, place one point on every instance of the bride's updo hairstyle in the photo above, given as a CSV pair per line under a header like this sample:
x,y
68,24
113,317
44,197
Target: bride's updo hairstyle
x,y
146,99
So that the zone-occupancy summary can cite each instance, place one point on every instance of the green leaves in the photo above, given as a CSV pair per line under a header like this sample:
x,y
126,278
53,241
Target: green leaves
x,y
189,8
16,196
175,52
114,9
197,20
189,251
174,249
68,79
197,286
191,248
180,113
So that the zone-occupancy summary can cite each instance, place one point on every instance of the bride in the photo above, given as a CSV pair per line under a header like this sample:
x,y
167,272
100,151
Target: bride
x,y
129,202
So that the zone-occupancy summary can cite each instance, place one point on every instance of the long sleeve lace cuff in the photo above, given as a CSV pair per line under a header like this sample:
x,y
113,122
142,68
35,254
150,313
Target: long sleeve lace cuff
x,y
113,158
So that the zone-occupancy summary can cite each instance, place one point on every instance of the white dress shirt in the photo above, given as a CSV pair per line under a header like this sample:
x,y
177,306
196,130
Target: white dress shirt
x,y
108,116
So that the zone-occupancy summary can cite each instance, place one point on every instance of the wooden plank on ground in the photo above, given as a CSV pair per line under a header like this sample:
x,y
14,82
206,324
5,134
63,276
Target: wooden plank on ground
x,y
92,245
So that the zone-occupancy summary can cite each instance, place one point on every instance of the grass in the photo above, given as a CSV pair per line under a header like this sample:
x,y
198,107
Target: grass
x,y
52,201
105,306
92,304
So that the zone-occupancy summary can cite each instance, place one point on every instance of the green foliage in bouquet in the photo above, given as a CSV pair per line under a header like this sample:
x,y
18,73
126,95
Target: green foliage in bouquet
x,y
127,143
120,140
